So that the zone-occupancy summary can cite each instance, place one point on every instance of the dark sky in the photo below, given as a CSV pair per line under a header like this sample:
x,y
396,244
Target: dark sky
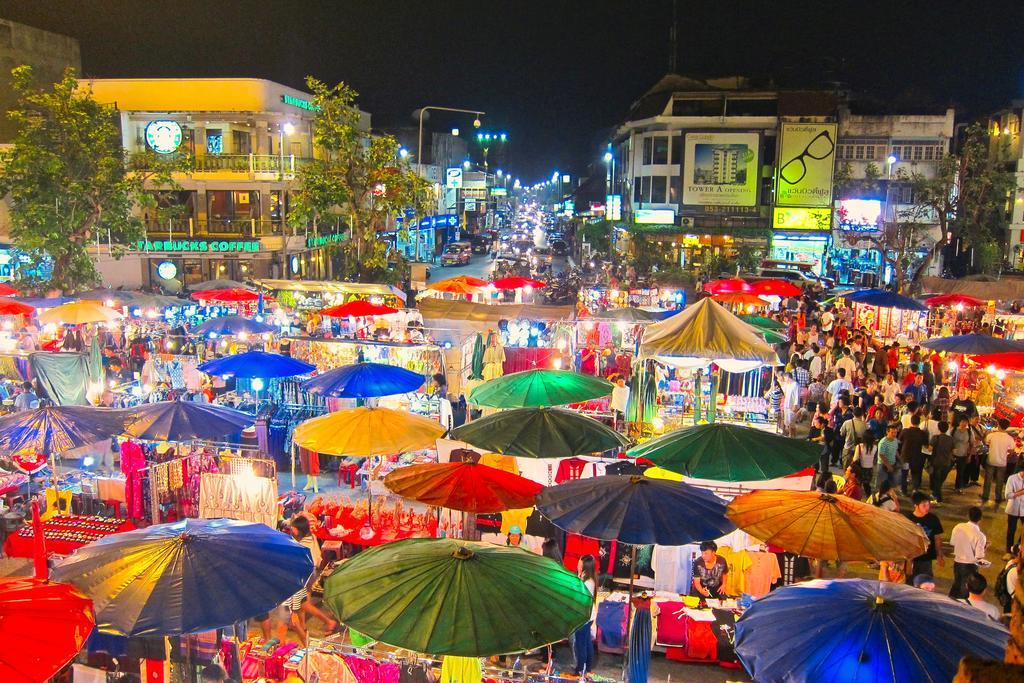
x,y
555,75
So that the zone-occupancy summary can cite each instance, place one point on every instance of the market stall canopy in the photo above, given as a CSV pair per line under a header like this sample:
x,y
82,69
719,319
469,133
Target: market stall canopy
x,y
862,631
489,314
44,303
158,301
733,285
184,421
465,486
1004,361
540,433
357,308
517,283
452,597
1002,289
364,380
12,307
827,527
220,284
106,294
79,313
770,336
44,624
540,387
725,452
187,576
363,289
973,344
257,364
780,288
636,510
7,290
763,322
226,296
740,298
55,429
365,432
706,331
231,325
460,284
628,315
885,299
953,300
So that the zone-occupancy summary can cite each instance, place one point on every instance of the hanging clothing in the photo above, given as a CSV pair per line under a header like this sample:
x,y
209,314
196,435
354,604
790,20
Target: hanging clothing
x,y
461,670
763,573
505,463
739,564
570,469
133,462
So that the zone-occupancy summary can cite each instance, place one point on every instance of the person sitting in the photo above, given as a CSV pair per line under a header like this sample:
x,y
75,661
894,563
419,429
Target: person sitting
x,y
976,587
709,572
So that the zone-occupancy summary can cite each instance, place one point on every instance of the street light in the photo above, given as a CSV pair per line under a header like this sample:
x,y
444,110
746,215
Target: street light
x,y
455,131
465,164
403,152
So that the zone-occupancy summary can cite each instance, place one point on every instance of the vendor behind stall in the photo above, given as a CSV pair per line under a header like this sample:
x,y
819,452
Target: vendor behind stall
x,y
709,572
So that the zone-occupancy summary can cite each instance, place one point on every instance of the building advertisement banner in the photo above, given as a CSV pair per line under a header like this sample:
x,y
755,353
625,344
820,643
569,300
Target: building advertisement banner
x,y
721,169
802,219
806,163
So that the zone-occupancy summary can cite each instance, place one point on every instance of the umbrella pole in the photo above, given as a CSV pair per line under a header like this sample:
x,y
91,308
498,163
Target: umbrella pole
x,y
629,605
713,399
293,464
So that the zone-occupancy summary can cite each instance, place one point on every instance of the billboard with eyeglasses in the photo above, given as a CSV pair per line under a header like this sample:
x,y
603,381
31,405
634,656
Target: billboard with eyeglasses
x,y
721,169
806,162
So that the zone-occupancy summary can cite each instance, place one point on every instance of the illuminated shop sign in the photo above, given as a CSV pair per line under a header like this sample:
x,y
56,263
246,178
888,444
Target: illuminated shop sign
x,y
859,215
200,246
315,241
163,136
300,103
801,219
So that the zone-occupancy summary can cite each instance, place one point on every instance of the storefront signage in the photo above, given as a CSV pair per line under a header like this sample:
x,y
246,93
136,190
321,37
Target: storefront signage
x,y
453,178
316,241
167,270
654,216
200,246
806,162
300,103
721,169
499,192
801,219
163,136
613,207
470,204
444,221
859,215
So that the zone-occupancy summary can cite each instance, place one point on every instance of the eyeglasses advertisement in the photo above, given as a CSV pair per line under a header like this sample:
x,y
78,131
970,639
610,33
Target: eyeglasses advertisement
x,y
806,163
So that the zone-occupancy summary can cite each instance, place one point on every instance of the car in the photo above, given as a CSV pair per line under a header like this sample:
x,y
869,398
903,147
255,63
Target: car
x,y
559,248
481,244
522,246
543,255
457,254
798,278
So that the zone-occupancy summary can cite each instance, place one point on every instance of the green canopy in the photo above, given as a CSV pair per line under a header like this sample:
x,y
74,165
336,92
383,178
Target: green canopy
x,y
725,452
539,433
771,336
536,388
627,315
452,597
763,322
477,365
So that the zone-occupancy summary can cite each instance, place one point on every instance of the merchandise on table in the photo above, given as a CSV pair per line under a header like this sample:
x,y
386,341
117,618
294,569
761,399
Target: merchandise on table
x,y
65,534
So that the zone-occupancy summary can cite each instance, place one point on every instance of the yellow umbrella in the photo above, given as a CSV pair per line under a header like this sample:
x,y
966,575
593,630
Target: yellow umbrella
x,y
79,312
826,526
366,432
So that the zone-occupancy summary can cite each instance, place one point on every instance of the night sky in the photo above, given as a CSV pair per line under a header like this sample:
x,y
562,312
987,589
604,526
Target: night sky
x,y
556,75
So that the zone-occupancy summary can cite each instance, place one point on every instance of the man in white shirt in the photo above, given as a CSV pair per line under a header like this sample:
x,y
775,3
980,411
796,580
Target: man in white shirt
x,y
846,363
969,543
976,587
827,320
790,403
817,366
1000,445
836,386
620,398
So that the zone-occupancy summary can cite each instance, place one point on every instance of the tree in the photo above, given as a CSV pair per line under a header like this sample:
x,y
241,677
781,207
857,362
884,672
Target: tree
x,y
70,181
356,177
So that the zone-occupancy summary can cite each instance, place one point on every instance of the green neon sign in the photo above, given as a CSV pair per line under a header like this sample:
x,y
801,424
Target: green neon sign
x,y
200,246
300,103
314,241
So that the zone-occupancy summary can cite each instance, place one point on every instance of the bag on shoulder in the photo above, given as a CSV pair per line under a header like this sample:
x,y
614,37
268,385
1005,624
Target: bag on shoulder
x,y
1001,590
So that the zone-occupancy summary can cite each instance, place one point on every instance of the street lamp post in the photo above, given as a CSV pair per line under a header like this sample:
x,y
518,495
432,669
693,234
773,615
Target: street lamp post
x,y
419,147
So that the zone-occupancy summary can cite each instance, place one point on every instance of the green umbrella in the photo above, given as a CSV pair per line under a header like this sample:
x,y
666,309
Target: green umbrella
x,y
724,452
643,395
539,433
761,321
452,597
477,366
536,388
771,336
96,371
627,315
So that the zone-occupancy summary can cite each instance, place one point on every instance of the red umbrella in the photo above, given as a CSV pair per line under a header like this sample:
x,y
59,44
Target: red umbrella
x,y
1012,360
517,283
7,290
734,285
357,308
465,486
226,295
780,288
9,307
953,300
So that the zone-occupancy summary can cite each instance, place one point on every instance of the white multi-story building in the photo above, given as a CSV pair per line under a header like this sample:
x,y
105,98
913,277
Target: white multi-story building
x,y
1005,134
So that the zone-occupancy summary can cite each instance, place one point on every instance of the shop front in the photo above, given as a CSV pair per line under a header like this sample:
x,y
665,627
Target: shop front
x,y
190,261
801,235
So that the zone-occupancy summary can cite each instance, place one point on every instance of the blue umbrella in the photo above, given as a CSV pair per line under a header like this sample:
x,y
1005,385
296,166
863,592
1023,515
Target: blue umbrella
x,y
36,302
852,630
54,429
884,299
635,510
364,380
184,421
187,576
257,364
973,344
233,324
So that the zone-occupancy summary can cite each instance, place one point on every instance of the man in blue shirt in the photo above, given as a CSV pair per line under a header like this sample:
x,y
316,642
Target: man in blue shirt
x,y
919,390
27,399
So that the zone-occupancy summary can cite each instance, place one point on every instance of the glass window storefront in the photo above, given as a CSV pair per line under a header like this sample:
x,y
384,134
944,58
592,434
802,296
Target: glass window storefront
x,y
809,249
229,210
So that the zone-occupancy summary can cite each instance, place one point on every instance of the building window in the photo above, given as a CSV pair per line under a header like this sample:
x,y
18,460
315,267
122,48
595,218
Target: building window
x,y
241,142
636,190
869,152
908,153
226,210
677,150
659,191
675,189
214,141
645,189
929,153
278,205
918,152
660,149
648,150
858,152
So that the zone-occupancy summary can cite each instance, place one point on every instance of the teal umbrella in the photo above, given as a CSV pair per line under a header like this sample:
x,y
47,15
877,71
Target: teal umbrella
x,y
539,433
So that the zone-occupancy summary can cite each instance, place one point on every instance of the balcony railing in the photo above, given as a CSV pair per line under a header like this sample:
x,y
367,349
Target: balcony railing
x,y
250,164
252,228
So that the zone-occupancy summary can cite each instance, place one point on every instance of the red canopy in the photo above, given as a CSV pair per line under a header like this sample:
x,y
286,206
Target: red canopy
x,y
226,295
357,308
734,285
780,288
953,300
9,307
7,290
517,283
465,486
1012,360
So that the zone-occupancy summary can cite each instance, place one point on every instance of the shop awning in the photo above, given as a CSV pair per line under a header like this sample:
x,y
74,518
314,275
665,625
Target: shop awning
x,y
1001,289
363,288
434,309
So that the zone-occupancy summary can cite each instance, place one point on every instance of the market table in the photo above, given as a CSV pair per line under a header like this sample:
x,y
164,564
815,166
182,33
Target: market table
x,y
65,534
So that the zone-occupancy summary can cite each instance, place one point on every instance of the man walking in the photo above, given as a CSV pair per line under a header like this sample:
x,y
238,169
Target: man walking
x,y
969,543
1000,446
912,443
930,524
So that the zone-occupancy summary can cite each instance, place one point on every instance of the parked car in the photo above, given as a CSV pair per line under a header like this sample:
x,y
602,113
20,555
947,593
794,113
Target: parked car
x,y
798,278
481,244
457,254
559,248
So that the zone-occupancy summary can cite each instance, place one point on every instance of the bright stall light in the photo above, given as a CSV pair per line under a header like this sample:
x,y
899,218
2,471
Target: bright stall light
x,y
257,384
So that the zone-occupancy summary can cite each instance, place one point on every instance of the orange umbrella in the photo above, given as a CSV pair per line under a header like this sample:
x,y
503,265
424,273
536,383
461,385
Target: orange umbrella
x,y
740,298
465,486
461,284
731,285
826,526
11,307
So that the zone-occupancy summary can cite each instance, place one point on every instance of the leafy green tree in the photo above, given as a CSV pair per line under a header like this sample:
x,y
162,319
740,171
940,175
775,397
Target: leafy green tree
x,y
356,177
70,181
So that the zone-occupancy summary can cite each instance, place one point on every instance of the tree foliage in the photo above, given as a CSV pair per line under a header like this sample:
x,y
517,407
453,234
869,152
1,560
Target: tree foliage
x,y
70,181
357,178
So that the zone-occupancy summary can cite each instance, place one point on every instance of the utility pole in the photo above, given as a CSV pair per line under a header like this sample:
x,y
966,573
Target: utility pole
x,y
673,38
